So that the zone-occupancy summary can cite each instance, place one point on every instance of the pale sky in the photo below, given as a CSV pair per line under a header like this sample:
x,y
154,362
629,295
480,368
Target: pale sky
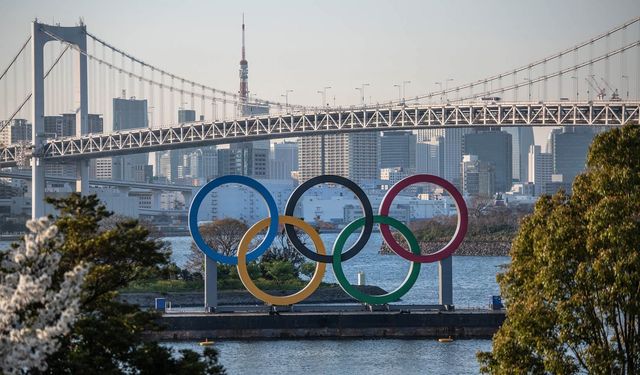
x,y
307,45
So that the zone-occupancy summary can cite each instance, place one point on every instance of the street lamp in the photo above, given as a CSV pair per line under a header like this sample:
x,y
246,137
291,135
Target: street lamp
x,y
324,95
286,98
440,84
361,89
399,92
577,90
627,78
404,88
528,80
446,84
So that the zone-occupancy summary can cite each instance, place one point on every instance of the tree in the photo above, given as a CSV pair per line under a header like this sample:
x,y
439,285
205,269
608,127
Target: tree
x,y
35,309
108,336
573,284
280,271
282,250
222,235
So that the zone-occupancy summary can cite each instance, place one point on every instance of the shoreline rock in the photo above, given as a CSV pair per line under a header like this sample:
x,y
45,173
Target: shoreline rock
x,y
468,248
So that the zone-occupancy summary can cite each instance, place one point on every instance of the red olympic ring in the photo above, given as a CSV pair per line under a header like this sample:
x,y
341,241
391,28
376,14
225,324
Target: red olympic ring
x,y
461,229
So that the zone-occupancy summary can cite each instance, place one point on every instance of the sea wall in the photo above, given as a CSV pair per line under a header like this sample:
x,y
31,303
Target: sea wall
x,y
461,324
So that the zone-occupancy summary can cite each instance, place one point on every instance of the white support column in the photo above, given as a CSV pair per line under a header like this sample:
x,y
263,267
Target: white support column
x,y
210,283
445,278
40,35
38,40
81,100
82,177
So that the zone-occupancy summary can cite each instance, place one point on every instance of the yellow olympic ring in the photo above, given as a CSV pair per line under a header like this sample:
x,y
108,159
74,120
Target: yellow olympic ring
x,y
313,284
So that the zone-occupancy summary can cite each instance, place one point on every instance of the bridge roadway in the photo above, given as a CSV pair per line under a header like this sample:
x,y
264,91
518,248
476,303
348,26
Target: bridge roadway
x,y
331,121
113,183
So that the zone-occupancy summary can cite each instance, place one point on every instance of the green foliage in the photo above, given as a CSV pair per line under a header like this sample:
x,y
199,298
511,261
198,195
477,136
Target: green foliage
x,y
308,269
107,339
280,271
573,284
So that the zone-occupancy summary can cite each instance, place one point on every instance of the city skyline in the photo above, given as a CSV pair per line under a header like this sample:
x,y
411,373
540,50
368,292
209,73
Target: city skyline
x,y
344,33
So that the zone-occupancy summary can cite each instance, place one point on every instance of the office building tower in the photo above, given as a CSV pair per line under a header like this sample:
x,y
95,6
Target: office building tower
x,y
569,147
186,115
288,153
521,141
283,161
493,147
18,130
452,150
65,125
354,156
129,114
540,168
103,169
478,177
398,149
245,158
430,156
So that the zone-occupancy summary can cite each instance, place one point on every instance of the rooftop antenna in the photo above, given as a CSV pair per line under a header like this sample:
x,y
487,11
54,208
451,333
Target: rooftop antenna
x,y
243,54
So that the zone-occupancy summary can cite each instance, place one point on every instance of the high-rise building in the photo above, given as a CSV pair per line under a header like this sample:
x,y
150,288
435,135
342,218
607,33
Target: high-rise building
x,y
521,141
186,115
244,158
569,147
494,147
19,130
452,150
60,126
478,177
284,160
177,157
96,124
287,152
398,149
430,156
540,168
103,169
354,156
65,125
129,114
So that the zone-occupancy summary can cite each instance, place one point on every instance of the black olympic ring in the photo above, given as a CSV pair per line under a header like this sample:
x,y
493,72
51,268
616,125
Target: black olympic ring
x,y
364,203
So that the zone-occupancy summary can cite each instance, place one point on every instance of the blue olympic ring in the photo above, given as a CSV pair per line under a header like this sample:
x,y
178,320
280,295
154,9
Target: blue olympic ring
x,y
233,179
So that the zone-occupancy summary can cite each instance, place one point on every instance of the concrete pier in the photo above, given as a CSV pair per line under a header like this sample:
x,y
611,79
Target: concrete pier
x,y
314,325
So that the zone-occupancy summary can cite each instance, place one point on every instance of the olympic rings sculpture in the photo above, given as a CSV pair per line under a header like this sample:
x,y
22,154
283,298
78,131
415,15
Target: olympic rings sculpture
x,y
320,255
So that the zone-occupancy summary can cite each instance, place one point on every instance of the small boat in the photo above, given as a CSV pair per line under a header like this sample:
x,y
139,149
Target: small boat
x,y
206,342
445,339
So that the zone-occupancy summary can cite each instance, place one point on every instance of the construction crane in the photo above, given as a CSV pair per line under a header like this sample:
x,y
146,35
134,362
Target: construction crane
x,y
614,93
601,92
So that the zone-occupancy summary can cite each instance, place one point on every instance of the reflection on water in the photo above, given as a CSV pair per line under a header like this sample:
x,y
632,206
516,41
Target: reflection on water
x,y
369,357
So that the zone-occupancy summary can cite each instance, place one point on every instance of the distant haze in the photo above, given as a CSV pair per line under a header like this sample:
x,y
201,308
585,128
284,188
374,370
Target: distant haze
x,y
305,46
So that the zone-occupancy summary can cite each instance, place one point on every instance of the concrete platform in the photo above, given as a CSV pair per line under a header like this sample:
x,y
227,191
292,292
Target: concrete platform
x,y
397,323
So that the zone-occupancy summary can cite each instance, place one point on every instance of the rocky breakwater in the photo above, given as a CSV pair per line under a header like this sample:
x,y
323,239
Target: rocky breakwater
x,y
468,248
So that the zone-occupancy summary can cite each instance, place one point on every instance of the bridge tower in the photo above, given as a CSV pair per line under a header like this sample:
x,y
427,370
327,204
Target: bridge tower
x,y
41,34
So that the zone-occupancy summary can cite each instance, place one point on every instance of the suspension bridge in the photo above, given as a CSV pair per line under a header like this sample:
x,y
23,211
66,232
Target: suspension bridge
x,y
61,69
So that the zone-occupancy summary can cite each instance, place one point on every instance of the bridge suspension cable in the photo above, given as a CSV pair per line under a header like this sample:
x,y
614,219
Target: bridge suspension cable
x,y
15,58
26,100
555,74
255,101
522,68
